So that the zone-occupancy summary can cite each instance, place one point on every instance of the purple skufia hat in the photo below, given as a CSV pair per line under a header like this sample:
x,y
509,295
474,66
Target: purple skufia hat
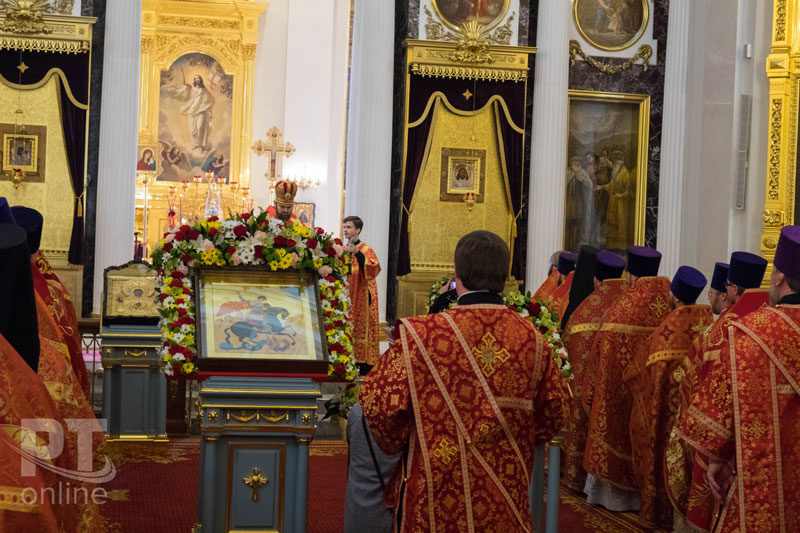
x,y
720,277
566,262
643,261
32,222
609,266
787,254
747,270
6,216
687,284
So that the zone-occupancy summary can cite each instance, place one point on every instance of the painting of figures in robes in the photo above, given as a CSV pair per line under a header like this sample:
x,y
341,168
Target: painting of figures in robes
x,y
454,13
257,314
194,119
606,170
611,24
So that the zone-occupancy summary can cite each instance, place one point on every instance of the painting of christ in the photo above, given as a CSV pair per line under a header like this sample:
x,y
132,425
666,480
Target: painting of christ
x,y
195,117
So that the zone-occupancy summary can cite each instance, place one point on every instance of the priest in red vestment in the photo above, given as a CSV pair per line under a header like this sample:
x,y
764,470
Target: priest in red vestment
x,y
51,290
744,416
559,298
283,204
553,280
364,270
465,394
686,469
628,323
653,377
579,334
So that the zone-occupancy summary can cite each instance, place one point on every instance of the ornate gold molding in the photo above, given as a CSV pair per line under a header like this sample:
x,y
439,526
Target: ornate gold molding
x,y
644,53
25,16
244,416
58,34
436,31
468,60
783,71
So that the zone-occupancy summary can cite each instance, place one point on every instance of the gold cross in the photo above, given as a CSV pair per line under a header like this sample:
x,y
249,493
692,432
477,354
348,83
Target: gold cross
x,y
22,67
489,354
445,451
255,481
466,94
700,327
659,306
273,148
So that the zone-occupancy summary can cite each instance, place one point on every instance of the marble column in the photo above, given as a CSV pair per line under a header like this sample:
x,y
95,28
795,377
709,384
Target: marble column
x,y
116,181
673,138
548,139
369,131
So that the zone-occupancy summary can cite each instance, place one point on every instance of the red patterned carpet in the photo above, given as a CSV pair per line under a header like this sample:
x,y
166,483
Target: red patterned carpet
x,y
157,493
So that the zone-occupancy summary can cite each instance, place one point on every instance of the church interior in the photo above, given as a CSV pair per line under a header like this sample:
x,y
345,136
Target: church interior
x,y
218,217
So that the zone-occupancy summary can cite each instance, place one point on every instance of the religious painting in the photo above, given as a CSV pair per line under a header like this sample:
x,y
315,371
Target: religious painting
x,y
454,13
256,314
611,24
20,151
146,160
462,172
194,118
24,149
304,213
130,292
606,170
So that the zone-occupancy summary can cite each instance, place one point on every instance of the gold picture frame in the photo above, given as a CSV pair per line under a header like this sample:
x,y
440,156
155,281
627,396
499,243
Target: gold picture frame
x,y
455,13
304,211
256,314
20,150
463,171
605,197
611,25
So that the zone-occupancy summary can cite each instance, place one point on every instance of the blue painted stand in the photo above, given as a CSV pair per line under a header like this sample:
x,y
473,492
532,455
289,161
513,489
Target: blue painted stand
x,y
134,389
536,491
256,431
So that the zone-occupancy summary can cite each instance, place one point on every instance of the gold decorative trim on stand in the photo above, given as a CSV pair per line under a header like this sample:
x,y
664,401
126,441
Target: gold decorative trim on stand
x,y
59,34
435,31
644,53
783,71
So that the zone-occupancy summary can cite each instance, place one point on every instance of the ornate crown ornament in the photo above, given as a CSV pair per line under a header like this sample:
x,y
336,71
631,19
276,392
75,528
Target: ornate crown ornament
x,y
285,192
25,16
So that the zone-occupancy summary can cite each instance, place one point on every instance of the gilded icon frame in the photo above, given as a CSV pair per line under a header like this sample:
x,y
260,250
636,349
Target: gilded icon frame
x,y
455,27
270,323
611,48
641,103
8,164
453,159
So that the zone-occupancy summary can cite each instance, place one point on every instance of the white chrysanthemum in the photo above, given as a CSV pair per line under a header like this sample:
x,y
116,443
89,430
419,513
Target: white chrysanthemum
x,y
179,357
167,370
187,329
178,337
247,254
274,224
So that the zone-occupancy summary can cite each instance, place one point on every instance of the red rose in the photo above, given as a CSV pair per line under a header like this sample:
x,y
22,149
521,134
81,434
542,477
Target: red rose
x,y
176,369
162,296
330,251
187,290
258,251
543,329
339,369
240,230
320,231
212,219
165,235
328,314
311,243
339,323
336,347
213,232
534,308
160,271
179,301
330,278
186,257
245,216
181,311
188,321
168,247
290,243
338,241
193,234
177,274
180,235
185,228
174,349
231,250
328,327
176,283
280,240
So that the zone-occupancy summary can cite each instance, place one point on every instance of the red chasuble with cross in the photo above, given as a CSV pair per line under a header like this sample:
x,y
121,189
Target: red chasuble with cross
x,y
465,394
545,290
684,467
364,305
746,413
653,378
578,338
630,320
559,300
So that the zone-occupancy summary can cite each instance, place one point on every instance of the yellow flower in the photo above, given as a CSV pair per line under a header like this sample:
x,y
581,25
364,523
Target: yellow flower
x,y
166,358
317,263
273,265
187,367
189,340
350,375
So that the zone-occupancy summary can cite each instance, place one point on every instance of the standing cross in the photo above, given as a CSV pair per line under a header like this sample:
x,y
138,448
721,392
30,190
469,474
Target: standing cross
x,y
255,481
273,148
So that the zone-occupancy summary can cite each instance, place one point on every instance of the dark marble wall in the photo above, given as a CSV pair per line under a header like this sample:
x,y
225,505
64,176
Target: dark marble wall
x,y
636,80
98,9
